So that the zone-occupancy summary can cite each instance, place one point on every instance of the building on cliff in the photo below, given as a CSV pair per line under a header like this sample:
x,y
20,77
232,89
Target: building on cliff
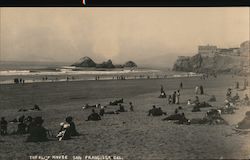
x,y
228,51
212,50
207,51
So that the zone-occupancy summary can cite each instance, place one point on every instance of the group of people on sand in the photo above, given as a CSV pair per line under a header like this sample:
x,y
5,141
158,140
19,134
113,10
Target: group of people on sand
x,y
156,111
24,123
212,116
19,81
34,108
245,84
94,116
178,117
199,90
174,98
35,130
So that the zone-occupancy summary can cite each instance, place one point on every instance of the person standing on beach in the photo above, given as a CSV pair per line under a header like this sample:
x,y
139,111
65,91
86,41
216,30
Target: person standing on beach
x,y
245,84
174,97
196,89
169,99
178,97
131,108
181,85
201,90
237,85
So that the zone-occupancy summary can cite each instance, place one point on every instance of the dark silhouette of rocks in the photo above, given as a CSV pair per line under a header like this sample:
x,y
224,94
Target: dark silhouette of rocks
x,y
130,64
85,62
107,64
88,62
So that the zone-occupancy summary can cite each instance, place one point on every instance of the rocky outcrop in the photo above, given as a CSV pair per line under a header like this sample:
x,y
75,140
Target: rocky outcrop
x,y
85,62
88,62
108,64
130,64
218,64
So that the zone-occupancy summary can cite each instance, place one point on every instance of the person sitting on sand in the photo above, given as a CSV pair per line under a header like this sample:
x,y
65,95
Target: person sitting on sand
x,y
176,111
246,97
228,108
37,132
229,93
72,127
102,111
196,101
116,102
86,106
3,126
189,102
156,111
183,120
131,108
36,107
94,116
29,121
212,98
160,112
162,94
152,111
196,104
22,110
64,133
176,116
245,123
67,129
121,108
236,98
21,128
213,116
196,108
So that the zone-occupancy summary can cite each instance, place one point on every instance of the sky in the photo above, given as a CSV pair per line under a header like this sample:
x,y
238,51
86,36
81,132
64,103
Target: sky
x,y
145,35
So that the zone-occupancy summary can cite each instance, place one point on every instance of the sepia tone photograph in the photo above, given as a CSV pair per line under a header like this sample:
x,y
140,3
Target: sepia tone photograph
x,y
124,83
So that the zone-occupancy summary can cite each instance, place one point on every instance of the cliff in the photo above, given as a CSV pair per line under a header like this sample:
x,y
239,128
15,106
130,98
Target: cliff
x,y
218,64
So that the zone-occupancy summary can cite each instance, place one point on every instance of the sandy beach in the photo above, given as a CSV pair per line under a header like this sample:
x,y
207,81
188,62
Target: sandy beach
x,y
130,135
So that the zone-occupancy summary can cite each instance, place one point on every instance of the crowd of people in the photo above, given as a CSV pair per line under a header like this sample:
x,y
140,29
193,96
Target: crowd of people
x,y
33,126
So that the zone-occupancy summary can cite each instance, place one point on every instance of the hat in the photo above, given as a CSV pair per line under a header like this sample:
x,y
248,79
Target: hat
x,y
69,119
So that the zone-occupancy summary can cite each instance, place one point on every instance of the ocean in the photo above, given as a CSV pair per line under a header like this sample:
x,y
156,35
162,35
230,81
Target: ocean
x,y
33,72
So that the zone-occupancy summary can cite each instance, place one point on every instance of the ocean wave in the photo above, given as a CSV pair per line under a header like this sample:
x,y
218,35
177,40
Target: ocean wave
x,y
70,72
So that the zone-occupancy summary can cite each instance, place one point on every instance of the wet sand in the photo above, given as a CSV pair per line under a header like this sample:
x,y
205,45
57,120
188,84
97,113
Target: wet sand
x,y
131,135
